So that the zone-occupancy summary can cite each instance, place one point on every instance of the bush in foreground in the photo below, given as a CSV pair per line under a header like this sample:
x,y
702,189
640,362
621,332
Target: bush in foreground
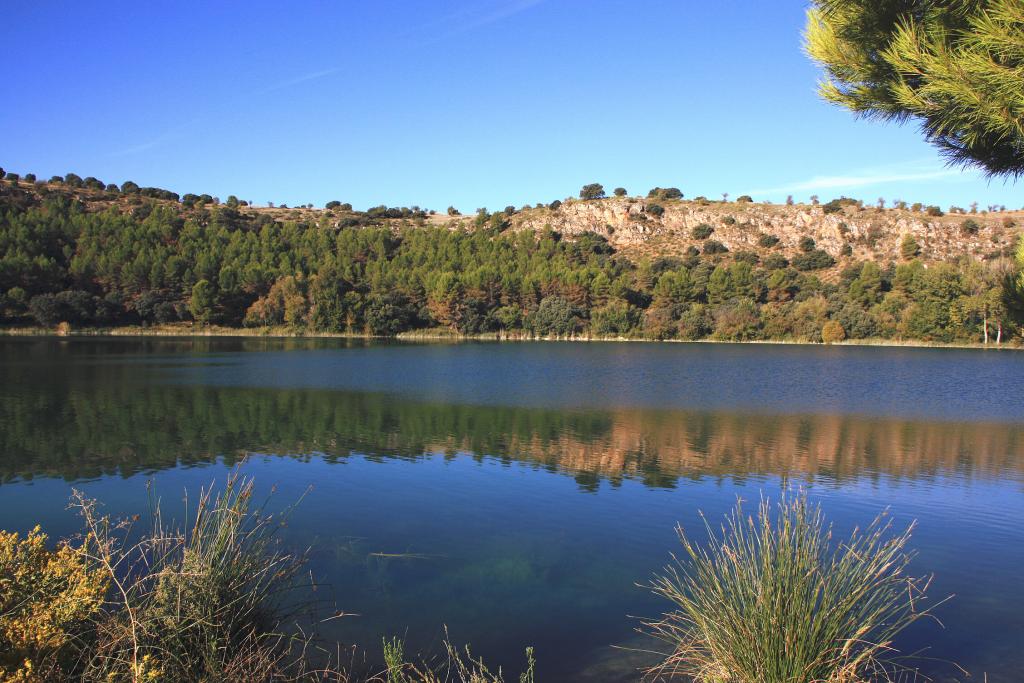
x,y
773,600
206,602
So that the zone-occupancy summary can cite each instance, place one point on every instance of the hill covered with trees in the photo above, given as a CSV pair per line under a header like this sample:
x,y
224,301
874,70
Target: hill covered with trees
x,y
658,266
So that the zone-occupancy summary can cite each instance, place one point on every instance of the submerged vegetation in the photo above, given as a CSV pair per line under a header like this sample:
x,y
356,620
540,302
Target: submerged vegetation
x,y
773,599
124,257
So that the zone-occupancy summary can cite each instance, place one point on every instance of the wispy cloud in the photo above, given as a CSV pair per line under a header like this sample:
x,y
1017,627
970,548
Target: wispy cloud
x,y
315,75
470,18
162,139
176,132
865,178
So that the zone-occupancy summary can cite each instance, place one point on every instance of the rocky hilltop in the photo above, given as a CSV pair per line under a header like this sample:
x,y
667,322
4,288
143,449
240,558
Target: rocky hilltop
x,y
846,231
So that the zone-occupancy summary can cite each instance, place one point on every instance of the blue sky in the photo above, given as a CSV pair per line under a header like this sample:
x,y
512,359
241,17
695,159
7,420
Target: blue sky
x,y
469,102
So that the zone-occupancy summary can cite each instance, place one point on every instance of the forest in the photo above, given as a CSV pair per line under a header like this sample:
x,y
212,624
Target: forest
x,y
131,256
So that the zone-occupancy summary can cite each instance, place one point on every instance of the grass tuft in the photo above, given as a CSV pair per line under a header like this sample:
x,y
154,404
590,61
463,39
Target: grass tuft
x,y
771,599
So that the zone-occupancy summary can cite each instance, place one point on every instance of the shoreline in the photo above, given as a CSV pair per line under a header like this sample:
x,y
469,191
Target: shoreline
x,y
189,331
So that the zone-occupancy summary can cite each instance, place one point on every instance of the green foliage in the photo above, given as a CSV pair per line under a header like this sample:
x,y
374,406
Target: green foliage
x,y
665,193
953,67
615,318
556,316
385,272
592,191
816,259
201,302
806,244
656,210
714,247
619,192
767,241
772,598
745,199
909,248
702,231
969,227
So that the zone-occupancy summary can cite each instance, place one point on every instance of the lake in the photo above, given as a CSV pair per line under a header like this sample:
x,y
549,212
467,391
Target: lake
x,y
519,492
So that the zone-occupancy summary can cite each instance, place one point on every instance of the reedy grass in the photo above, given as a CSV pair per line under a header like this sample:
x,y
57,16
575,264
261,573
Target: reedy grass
x,y
202,602
208,602
459,666
771,599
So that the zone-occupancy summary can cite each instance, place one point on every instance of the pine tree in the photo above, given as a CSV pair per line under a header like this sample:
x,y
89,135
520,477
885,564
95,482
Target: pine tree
x,y
955,67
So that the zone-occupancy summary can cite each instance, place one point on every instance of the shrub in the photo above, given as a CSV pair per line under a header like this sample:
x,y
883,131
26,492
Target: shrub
x,y
592,191
970,227
702,231
767,241
813,260
737,320
745,199
619,192
834,206
806,244
46,310
772,598
775,262
933,211
715,247
656,210
614,318
333,204
556,316
729,220
747,257
46,599
696,322
555,205
665,193
832,332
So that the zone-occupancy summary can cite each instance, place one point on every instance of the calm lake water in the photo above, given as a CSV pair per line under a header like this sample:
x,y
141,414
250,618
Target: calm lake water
x,y
535,484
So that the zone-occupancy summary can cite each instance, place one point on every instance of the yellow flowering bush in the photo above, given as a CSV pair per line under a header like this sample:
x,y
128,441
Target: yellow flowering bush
x,y
46,597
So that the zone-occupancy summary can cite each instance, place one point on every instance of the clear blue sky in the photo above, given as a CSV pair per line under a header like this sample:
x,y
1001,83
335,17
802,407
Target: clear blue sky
x,y
465,102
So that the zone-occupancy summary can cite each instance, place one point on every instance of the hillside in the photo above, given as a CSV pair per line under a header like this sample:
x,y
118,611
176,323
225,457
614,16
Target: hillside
x,y
94,255
872,234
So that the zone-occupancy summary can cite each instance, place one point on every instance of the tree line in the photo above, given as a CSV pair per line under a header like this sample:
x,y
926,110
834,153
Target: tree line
x,y
387,272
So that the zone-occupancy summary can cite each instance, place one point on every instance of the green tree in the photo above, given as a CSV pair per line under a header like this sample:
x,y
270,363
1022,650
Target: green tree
x,y
909,248
955,67
201,303
592,191
619,192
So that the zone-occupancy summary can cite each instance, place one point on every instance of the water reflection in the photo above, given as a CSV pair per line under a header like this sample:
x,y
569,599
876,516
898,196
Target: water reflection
x,y
98,428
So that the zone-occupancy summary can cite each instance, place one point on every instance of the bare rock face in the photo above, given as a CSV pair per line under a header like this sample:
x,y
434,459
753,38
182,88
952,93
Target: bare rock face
x,y
633,228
